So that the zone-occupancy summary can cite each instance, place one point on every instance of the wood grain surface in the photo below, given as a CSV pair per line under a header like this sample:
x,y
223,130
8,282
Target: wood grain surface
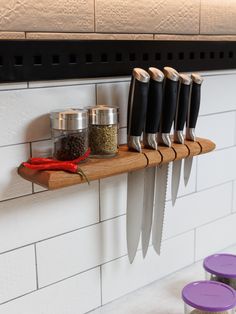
x,y
125,161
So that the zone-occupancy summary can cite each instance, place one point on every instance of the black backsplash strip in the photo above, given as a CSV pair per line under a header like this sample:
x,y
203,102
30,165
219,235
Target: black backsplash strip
x,y
48,60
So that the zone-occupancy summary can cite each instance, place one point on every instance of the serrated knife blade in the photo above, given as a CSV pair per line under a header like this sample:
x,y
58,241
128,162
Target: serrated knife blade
x,y
162,173
167,117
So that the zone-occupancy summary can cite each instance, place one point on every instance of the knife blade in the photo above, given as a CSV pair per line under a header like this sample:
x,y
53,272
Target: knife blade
x,y
150,141
192,117
137,106
180,118
167,118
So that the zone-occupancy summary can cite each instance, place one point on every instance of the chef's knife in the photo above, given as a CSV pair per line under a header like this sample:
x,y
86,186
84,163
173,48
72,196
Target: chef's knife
x,y
192,117
168,113
150,141
137,106
180,119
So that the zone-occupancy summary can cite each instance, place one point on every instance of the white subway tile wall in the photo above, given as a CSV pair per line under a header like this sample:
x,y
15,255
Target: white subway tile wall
x,y
113,196
17,273
78,294
119,277
11,184
27,110
64,252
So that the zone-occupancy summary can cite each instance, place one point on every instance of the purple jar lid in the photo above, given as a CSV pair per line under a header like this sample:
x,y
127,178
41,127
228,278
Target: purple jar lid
x,y
209,296
223,265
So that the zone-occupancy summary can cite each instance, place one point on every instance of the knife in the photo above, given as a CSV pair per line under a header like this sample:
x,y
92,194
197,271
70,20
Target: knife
x,y
154,108
137,107
180,119
192,117
168,113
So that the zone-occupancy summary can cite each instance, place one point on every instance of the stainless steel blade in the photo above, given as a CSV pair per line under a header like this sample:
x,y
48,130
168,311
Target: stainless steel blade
x,y
134,211
149,187
176,173
162,173
187,169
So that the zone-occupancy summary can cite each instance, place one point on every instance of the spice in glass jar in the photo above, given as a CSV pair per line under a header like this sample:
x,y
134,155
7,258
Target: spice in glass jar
x,y
221,267
69,133
103,131
208,297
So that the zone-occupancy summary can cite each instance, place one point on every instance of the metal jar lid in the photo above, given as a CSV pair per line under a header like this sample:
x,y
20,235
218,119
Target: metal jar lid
x,y
69,119
104,115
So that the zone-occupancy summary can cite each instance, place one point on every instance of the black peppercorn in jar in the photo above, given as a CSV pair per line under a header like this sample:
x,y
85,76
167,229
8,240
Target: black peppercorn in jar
x,y
103,130
69,133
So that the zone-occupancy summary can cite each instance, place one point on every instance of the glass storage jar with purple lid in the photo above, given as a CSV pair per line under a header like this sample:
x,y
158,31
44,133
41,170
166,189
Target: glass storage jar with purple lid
x,y
69,133
208,297
222,268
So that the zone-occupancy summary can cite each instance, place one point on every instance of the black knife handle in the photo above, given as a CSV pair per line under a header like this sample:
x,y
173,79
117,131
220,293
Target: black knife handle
x,y
137,107
154,106
169,105
182,110
195,105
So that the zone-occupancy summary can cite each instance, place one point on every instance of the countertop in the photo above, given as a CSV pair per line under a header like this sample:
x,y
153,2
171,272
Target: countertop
x,y
160,297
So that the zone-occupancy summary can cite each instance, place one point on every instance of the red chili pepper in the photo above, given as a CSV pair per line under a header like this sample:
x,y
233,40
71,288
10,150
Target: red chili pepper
x,y
65,166
41,161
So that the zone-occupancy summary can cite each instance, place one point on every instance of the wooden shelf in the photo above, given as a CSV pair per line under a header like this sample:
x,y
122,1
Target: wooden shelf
x,y
125,161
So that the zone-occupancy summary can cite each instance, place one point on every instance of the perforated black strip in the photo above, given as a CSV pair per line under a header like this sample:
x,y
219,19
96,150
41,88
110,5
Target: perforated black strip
x,y
47,60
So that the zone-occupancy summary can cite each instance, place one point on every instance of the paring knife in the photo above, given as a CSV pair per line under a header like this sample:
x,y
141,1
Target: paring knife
x,y
168,113
180,119
192,117
153,116
137,106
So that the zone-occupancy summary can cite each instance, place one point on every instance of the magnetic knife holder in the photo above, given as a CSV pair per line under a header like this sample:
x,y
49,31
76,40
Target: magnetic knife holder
x,y
125,161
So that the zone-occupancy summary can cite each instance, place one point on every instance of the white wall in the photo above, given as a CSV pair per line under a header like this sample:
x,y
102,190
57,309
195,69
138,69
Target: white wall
x,y
64,252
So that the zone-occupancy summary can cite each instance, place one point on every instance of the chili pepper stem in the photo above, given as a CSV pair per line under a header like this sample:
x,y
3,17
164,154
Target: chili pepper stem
x,y
83,175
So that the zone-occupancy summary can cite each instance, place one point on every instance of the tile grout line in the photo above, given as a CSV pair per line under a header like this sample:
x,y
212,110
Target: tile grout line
x,y
31,155
62,234
168,238
217,113
96,223
195,244
52,284
87,270
36,266
196,179
216,220
90,81
235,129
232,197
99,201
101,285
18,297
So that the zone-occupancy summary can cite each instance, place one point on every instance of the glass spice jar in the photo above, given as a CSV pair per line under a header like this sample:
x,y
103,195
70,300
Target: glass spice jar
x,y
103,130
208,297
69,133
222,268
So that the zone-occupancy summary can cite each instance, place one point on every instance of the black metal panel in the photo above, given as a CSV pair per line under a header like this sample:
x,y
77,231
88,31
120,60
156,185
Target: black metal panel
x,y
47,60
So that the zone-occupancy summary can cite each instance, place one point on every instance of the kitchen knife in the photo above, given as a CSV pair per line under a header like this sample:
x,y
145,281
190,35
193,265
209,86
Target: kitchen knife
x,y
180,119
150,141
192,117
137,106
168,113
